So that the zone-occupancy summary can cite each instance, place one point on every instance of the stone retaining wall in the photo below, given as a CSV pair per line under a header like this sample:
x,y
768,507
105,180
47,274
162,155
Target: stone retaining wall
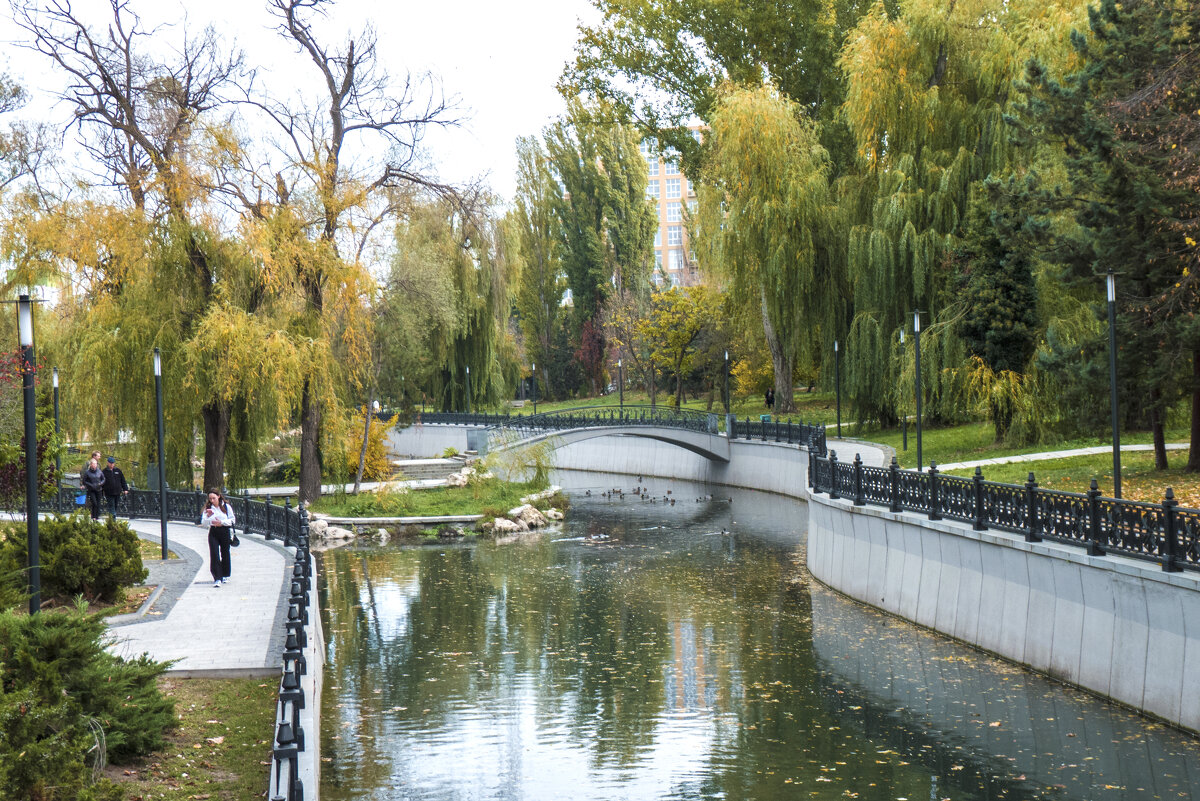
x,y
1116,626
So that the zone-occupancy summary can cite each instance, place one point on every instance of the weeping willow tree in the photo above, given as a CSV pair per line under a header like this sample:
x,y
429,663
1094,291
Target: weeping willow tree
x,y
767,223
446,305
927,93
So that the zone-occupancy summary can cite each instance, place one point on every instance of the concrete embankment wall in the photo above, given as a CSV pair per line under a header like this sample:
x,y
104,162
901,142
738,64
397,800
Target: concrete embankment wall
x,y
766,466
1116,626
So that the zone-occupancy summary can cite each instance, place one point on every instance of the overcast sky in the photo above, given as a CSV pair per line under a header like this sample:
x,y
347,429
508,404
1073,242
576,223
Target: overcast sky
x,y
501,58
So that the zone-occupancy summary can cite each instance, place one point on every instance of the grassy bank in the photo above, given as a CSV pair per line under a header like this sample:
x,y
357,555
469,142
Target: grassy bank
x,y
471,500
1139,480
218,751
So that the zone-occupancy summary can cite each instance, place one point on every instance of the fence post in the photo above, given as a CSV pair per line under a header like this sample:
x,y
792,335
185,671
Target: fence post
x,y
776,421
1032,525
980,517
1170,562
287,518
267,523
833,488
894,474
859,500
934,513
1093,495
812,468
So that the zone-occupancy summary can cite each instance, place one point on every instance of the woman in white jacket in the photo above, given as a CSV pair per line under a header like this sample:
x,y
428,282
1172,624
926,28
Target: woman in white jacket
x,y
218,516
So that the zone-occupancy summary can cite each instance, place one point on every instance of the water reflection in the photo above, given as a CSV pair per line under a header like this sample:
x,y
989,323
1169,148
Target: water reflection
x,y
651,650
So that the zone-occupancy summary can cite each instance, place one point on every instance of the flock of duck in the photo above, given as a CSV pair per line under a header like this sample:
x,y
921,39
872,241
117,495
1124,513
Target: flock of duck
x,y
644,494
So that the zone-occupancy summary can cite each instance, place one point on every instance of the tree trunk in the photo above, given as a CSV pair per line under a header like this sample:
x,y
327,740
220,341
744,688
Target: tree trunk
x,y
310,445
1156,430
362,453
1193,464
216,435
782,363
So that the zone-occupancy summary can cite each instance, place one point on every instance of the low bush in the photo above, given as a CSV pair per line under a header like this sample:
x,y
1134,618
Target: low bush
x,y
66,704
95,559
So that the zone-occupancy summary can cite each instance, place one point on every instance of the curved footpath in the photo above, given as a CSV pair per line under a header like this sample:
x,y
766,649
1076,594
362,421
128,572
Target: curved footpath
x,y
235,630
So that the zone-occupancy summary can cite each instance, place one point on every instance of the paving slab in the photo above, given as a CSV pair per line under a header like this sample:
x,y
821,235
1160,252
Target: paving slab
x,y
232,630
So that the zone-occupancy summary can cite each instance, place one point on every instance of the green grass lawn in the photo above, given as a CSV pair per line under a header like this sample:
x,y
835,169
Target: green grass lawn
x,y
220,748
817,407
1139,480
470,500
973,441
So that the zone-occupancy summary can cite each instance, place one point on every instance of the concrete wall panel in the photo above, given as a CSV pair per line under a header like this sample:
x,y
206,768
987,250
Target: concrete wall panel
x,y
1099,618
1068,618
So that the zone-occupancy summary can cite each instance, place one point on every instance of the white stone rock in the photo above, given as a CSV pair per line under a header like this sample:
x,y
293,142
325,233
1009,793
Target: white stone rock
x,y
503,525
338,533
554,514
317,527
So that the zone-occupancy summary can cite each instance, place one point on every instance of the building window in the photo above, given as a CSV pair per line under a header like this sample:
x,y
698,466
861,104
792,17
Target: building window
x,y
674,212
652,164
670,167
676,261
672,187
652,189
692,206
674,235
658,238
696,136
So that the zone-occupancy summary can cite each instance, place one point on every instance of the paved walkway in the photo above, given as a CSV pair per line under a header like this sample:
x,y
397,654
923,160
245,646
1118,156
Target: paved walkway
x,y
228,631
1040,457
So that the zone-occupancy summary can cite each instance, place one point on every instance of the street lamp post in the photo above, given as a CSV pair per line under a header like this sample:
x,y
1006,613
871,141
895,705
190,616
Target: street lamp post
x,y
25,338
468,389
534,368
837,371
162,469
57,453
917,347
903,416
726,382
1111,282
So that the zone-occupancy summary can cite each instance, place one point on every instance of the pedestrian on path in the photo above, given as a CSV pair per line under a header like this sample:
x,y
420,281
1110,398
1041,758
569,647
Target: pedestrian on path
x,y
114,485
93,482
218,517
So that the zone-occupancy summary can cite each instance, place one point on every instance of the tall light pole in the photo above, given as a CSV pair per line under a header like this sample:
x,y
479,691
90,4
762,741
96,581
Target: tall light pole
x,y
57,451
837,372
917,346
534,369
1111,281
903,416
621,381
468,389
25,338
162,468
726,382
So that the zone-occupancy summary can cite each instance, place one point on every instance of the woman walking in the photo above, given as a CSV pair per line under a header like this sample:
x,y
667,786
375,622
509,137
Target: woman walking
x,y
218,516
92,479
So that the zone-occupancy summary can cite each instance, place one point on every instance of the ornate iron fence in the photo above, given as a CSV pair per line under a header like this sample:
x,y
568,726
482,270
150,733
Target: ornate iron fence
x,y
809,435
273,521
1161,532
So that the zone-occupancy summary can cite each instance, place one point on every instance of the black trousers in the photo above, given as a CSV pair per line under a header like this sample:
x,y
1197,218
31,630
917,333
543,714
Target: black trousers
x,y
218,552
112,503
93,499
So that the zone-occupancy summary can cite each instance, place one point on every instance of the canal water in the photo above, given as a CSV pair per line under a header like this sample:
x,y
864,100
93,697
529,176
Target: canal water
x,y
673,647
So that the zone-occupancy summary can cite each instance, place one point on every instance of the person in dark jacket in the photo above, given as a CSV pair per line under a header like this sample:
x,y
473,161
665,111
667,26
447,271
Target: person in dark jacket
x,y
114,485
93,483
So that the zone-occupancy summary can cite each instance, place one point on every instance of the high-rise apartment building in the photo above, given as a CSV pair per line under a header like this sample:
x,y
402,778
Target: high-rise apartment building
x,y
674,260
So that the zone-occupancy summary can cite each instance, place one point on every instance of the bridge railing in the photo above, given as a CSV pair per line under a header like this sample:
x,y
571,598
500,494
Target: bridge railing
x,y
809,435
1162,532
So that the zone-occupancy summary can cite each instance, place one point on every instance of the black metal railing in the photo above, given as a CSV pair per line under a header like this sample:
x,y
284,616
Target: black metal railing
x,y
290,742
273,521
1160,532
809,435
